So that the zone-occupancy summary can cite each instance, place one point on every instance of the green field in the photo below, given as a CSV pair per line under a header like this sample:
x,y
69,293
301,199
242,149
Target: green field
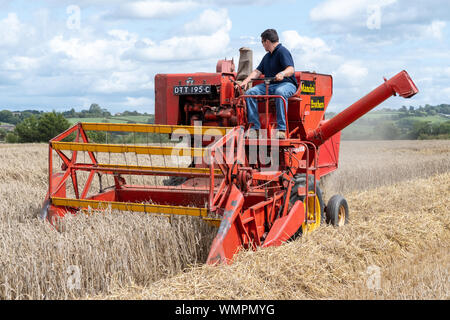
x,y
381,114
369,126
114,119
393,116
433,119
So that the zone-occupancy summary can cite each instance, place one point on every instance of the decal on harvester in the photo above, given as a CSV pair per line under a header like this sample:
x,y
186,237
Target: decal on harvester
x,y
317,103
189,81
308,87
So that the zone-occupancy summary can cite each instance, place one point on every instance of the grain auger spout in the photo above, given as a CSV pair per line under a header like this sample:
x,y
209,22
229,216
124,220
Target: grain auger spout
x,y
400,84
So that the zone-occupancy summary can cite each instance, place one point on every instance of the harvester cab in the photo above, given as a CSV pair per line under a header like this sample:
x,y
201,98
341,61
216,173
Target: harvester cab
x,y
197,159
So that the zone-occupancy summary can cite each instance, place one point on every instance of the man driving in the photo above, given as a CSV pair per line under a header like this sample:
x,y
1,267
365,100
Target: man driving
x,y
277,63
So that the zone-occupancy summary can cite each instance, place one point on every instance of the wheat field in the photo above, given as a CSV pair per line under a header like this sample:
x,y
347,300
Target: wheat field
x,y
398,193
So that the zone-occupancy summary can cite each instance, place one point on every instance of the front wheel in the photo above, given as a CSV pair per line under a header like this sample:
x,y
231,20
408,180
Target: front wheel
x,y
313,212
337,211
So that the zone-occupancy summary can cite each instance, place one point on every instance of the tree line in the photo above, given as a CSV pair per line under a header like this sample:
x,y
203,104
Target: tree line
x,y
404,123
95,111
427,110
413,129
38,128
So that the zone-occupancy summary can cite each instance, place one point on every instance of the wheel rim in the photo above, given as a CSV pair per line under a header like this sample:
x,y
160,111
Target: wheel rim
x,y
312,214
341,216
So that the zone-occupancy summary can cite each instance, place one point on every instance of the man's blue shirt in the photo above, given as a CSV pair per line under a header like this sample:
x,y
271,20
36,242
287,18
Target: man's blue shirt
x,y
277,61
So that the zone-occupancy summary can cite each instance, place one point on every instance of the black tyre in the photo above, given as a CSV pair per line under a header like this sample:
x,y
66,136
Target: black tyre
x,y
337,211
295,197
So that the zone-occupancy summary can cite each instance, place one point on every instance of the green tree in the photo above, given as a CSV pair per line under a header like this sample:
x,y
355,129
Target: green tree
x,y
8,117
97,136
444,127
70,114
11,137
42,128
421,128
27,130
3,134
95,110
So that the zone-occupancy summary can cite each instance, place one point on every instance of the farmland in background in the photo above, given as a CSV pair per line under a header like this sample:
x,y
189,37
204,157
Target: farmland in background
x,y
115,119
406,123
429,122
398,194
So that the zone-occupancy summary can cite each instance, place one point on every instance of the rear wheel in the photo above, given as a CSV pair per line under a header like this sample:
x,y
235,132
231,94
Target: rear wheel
x,y
337,211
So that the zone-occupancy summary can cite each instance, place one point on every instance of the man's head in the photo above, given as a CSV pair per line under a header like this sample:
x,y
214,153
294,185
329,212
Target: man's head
x,y
269,38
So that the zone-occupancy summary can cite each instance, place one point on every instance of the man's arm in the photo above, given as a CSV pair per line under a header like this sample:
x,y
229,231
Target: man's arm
x,y
289,71
255,74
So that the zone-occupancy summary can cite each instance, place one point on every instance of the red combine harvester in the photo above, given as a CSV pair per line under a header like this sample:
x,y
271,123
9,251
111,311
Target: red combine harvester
x,y
258,192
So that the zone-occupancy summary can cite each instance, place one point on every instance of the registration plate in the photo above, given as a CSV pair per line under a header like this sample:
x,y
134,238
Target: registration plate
x,y
195,89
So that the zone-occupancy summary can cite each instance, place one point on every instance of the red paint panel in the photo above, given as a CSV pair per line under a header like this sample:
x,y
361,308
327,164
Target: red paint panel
x,y
329,155
230,235
167,104
299,112
285,227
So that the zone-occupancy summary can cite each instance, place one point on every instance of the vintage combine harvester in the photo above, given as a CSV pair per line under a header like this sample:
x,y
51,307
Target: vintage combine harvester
x,y
258,192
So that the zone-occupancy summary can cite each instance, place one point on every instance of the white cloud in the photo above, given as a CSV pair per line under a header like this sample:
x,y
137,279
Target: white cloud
x,y
91,54
379,22
124,81
209,22
191,47
123,35
138,102
352,71
81,54
310,53
152,9
343,10
250,40
293,40
184,48
20,63
435,29
12,30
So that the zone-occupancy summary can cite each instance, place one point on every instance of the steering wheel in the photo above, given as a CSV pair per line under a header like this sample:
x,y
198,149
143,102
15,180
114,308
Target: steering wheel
x,y
267,80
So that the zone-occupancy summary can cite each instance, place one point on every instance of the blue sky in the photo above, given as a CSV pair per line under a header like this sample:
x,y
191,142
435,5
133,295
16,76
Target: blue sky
x,y
59,54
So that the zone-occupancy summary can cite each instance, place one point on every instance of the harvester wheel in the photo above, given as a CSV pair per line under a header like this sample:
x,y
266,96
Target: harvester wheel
x,y
337,211
319,207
